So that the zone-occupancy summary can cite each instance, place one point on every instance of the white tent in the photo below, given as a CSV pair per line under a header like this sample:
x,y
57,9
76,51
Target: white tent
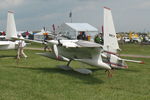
x,y
72,30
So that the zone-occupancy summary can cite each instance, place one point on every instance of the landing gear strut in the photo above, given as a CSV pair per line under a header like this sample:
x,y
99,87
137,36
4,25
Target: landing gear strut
x,y
69,63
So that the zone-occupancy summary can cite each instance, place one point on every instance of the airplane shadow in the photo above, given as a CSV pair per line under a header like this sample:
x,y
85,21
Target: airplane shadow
x,y
87,79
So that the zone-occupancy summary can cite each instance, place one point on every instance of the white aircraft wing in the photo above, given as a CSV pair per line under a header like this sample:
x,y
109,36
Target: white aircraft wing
x,y
78,49
87,44
2,43
78,53
2,36
135,61
74,43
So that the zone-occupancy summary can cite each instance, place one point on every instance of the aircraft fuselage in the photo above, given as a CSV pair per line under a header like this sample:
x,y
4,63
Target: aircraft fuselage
x,y
7,45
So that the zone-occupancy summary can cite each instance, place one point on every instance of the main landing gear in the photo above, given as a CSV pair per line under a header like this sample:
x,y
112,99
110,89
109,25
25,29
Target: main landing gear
x,y
80,70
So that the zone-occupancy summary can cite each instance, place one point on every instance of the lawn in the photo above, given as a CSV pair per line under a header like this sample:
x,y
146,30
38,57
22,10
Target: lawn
x,y
38,78
135,49
34,45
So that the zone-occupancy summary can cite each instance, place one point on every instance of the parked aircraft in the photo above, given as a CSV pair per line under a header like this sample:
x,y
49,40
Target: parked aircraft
x,y
102,56
8,42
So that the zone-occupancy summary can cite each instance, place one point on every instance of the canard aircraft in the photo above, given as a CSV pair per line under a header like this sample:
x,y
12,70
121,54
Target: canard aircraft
x,y
102,56
9,41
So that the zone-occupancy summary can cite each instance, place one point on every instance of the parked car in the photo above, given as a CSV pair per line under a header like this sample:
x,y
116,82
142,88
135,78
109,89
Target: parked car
x,y
126,39
136,40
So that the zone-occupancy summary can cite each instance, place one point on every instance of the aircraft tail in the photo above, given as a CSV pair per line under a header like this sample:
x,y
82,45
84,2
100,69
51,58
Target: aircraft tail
x,y
11,31
110,39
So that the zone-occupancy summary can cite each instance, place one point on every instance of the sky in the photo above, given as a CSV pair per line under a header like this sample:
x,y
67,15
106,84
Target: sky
x,y
128,15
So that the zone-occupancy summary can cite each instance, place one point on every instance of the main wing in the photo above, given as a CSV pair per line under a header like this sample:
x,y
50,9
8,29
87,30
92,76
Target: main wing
x,y
77,49
3,43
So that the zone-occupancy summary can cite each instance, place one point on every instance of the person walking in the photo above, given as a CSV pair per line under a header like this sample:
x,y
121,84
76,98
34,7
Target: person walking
x,y
21,45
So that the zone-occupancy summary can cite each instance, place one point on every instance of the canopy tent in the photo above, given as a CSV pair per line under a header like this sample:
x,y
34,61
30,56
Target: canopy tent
x,y
72,30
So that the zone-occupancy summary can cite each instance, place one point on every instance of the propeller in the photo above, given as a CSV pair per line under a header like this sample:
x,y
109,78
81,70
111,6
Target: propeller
x,y
55,49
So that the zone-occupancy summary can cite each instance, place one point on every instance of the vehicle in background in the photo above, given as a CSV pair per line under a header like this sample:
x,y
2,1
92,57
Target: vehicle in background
x,y
136,40
126,39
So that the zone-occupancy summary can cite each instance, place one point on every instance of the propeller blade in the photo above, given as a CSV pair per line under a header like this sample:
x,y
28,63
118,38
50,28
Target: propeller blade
x,y
55,50
18,55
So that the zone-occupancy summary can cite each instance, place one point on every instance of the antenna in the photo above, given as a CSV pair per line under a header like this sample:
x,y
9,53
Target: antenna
x,y
70,16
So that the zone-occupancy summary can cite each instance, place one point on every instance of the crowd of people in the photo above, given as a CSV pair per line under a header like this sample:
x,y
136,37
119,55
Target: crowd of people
x,y
82,36
97,39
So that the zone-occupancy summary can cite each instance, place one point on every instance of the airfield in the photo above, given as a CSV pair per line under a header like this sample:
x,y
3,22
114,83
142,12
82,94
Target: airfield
x,y
39,78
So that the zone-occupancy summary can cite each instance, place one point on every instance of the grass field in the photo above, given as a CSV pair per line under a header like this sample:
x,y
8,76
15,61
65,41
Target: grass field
x,y
36,45
135,49
38,78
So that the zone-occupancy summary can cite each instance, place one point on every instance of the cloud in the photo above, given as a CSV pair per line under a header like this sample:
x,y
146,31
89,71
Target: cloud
x,y
10,3
85,7
32,14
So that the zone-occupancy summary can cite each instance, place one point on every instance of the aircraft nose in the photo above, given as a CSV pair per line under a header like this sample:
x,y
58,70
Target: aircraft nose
x,y
105,66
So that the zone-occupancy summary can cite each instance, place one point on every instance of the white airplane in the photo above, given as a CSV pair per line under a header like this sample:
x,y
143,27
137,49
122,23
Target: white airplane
x,y
11,34
101,56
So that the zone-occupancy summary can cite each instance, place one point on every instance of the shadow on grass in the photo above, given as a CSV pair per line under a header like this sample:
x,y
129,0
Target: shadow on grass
x,y
87,79
7,56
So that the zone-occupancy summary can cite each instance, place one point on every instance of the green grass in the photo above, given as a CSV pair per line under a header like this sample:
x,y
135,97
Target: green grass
x,y
135,49
38,78
35,45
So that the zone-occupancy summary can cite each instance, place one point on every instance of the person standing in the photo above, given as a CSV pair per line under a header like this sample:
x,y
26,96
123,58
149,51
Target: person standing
x,y
20,52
